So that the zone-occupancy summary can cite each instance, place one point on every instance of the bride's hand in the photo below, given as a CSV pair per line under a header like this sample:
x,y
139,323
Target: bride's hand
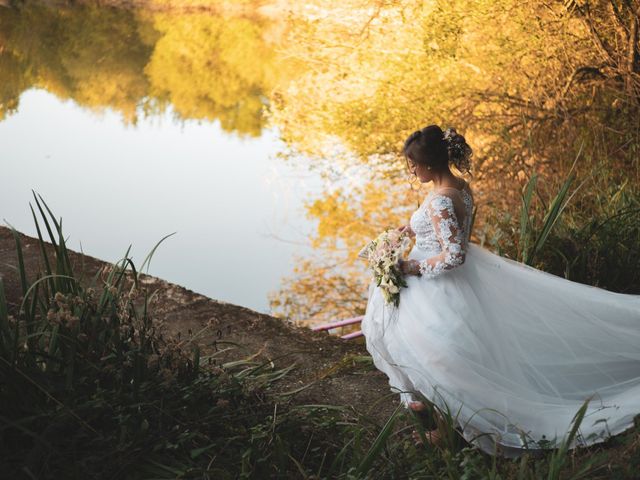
x,y
410,267
407,228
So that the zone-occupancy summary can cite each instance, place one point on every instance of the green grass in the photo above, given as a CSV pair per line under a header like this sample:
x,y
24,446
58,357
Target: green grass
x,y
589,233
90,388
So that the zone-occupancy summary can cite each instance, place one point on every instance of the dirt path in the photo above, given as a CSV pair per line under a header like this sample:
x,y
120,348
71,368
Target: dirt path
x,y
321,360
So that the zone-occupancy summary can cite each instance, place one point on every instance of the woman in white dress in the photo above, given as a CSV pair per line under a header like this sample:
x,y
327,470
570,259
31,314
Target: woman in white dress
x,y
513,351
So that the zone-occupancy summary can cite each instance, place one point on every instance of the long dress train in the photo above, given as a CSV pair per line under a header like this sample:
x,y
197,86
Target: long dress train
x,y
512,350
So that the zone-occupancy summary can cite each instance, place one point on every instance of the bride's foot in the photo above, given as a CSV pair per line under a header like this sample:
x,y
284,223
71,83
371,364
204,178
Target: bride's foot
x,y
420,409
432,437
417,406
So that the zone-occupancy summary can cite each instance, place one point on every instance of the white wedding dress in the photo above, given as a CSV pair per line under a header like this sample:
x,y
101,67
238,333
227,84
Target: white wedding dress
x,y
512,350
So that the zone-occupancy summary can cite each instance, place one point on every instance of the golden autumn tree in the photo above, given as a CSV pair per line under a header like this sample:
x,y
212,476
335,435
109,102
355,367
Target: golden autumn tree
x,y
514,77
531,85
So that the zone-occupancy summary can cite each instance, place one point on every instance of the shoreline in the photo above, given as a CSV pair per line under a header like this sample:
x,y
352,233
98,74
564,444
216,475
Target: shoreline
x,y
322,360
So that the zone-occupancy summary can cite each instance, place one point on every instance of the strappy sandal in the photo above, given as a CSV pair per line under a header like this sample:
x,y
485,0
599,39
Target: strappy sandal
x,y
420,410
432,437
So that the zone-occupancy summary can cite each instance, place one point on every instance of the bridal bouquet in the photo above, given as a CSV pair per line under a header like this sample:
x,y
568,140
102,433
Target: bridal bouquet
x,y
383,255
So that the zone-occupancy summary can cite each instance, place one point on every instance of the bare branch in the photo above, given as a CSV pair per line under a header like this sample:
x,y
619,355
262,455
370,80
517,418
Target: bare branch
x,y
588,20
618,16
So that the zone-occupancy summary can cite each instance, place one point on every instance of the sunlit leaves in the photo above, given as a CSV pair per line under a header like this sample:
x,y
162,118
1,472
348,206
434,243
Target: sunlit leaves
x,y
524,82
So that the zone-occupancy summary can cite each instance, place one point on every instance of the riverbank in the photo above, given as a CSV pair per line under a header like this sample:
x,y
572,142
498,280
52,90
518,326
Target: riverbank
x,y
325,371
286,399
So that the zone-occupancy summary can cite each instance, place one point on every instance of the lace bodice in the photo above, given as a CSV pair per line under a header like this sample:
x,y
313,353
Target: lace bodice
x,y
437,230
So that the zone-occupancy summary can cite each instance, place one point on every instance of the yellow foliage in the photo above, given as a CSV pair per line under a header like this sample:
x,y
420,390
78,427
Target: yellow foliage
x,y
208,65
212,68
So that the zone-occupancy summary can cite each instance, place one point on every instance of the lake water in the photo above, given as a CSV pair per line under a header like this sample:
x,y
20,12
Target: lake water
x,y
235,207
136,123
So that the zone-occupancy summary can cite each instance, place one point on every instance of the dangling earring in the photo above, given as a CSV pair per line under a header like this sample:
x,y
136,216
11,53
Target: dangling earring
x,y
412,179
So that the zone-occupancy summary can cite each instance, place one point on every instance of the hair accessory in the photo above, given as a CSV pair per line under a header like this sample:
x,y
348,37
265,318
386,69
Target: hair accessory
x,y
449,133
459,152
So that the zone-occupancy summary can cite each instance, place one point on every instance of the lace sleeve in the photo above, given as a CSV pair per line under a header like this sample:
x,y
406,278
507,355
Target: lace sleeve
x,y
450,235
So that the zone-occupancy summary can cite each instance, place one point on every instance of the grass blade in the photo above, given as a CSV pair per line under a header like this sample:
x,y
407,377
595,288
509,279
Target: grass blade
x,y
150,254
525,229
379,442
559,456
24,282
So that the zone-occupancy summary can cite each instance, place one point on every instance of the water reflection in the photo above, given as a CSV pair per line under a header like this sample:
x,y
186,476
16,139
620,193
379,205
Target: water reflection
x,y
210,67
179,142
114,185
205,66
95,56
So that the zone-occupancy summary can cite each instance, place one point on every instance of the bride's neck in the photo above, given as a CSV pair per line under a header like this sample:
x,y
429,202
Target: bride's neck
x,y
446,179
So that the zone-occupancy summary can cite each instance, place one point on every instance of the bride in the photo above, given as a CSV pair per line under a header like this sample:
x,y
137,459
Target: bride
x,y
511,351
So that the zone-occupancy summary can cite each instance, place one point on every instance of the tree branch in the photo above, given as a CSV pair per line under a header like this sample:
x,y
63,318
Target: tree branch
x,y
587,19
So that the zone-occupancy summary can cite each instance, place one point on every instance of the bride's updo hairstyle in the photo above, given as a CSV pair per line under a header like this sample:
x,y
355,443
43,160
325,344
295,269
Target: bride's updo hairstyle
x,y
434,148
